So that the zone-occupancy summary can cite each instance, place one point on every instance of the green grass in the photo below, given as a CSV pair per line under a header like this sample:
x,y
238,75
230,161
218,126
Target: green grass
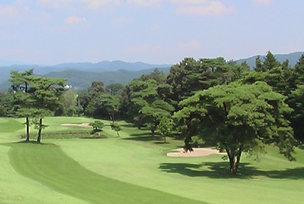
x,y
134,167
49,165
10,125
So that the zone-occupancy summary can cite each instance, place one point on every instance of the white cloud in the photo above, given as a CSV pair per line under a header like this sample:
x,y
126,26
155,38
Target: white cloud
x,y
144,48
74,19
265,2
187,2
8,10
122,20
203,8
144,3
155,26
90,3
192,45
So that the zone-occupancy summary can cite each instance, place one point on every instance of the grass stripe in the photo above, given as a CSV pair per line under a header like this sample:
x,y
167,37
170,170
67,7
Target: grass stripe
x,y
49,165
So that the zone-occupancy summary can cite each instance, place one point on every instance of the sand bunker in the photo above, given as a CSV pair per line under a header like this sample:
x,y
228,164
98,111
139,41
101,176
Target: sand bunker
x,y
197,152
76,124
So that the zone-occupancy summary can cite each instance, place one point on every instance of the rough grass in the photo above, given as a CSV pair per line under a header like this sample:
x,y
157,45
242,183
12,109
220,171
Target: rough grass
x,y
137,162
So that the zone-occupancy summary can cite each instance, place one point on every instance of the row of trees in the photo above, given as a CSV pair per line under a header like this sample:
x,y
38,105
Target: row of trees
x,y
231,106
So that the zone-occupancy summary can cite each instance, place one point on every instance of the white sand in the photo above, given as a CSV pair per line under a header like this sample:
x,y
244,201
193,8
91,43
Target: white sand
x,y
77,125
197,152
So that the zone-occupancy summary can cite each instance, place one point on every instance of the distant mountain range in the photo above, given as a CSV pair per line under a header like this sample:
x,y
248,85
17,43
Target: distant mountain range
x,y
80,75
83,79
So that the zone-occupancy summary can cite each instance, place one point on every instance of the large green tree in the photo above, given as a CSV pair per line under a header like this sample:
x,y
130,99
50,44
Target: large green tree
x,y
190,75
238,118
6,105
298,74
44,94
297,116
20,87
68,103
147,103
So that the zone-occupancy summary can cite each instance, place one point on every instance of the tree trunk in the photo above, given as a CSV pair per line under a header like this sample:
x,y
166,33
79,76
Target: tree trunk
x,y
153,132
234,160
27,122
39,131
113,119
165,139
238,159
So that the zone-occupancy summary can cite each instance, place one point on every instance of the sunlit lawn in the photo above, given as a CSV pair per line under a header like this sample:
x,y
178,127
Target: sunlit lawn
x,y
134,169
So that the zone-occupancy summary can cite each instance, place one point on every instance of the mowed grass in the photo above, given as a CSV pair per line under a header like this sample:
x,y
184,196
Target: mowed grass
x,y
114,170
49,165
10,125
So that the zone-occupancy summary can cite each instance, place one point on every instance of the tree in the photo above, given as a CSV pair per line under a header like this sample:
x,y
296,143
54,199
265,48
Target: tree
x,y
115,88
91,100
83,100
259,65
44,94
146,105
165,127
192,75
238,118
96,88
278,76
6,103
97,126
21,86
68,102
297,116
109,104
116,127
156,75
270,62
298,74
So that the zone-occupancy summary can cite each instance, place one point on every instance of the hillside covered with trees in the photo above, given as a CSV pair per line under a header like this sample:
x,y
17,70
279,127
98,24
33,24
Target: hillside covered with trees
x,y
213,101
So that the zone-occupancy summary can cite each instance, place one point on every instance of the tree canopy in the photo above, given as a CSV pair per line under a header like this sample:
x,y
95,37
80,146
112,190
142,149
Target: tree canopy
x,y
239,118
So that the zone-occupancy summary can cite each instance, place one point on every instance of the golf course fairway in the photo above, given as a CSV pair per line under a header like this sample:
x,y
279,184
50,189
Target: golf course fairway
x,y
134,168
49,165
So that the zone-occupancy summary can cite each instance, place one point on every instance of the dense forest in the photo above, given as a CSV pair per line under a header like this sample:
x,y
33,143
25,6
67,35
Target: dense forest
x,y
210,101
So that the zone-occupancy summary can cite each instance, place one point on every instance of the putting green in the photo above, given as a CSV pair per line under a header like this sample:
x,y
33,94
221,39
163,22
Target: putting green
x,y
50,166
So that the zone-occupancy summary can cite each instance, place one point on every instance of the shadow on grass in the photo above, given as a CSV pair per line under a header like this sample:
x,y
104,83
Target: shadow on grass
x,y
221,170
144,138
32,142
127,125
94,137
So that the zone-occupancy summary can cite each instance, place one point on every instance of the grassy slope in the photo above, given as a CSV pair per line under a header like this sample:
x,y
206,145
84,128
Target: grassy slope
x,y
15,188
63,174
206,179
136,159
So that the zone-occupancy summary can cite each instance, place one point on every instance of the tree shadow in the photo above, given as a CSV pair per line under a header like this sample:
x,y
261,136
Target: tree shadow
x,y
94,137
31,142
143,138
219,170
127,125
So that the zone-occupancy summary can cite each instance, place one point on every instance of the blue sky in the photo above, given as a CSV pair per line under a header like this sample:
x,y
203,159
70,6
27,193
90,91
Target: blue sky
x,y
153,31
